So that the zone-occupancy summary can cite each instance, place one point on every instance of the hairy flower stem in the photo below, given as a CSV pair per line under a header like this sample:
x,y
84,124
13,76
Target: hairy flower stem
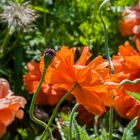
x,y
5,41
110,63
110,122
45,133
96,125
129,82
106,37
71,120
32,106
48,55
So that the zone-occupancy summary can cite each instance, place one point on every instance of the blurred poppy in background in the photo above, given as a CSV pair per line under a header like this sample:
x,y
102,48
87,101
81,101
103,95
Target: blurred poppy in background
x,y
9,106
130,22
49,94
127,62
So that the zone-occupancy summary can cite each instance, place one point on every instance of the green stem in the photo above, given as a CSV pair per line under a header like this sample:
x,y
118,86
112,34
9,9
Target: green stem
x,y
77,137
71,120
6,38
12,47
110,122
45,133
59,126
32,106
129,82
111,66
96,124
106,37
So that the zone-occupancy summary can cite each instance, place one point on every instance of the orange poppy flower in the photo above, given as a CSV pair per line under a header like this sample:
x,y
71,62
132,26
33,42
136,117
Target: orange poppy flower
x,y
127,62
48,94
91,92
9,106
127,59
130,24
125,105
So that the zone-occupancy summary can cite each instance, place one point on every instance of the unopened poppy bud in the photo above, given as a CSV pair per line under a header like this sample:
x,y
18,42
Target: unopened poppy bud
x,y
48,55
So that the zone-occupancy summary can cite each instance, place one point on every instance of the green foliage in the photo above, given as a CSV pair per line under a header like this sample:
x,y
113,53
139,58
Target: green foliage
x,y
128,131
81,133
23,133
125,2
78,132
103,136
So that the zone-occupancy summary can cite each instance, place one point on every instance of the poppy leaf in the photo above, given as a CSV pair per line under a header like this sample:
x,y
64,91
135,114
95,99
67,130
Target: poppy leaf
x,y
136,95
128,131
